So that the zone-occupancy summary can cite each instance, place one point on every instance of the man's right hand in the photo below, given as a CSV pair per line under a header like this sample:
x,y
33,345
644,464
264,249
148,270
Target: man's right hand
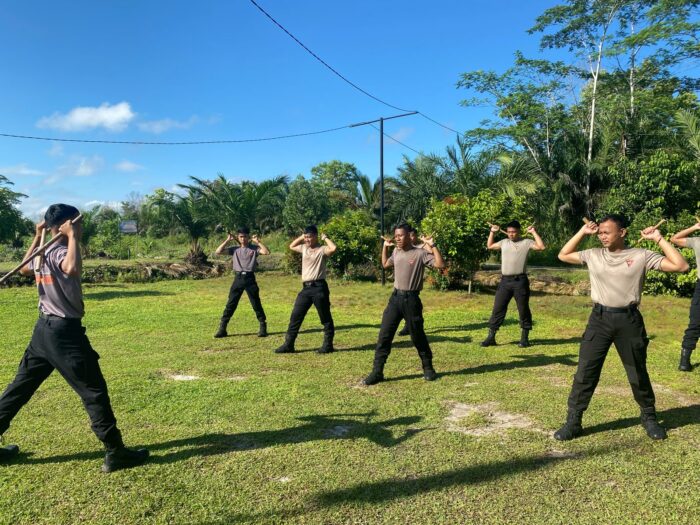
x,y
387,241
40,229
69,229
229,237
495,228
590,228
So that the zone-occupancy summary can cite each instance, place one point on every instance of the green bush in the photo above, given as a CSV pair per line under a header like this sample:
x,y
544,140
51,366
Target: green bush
x,y
459,225
357,237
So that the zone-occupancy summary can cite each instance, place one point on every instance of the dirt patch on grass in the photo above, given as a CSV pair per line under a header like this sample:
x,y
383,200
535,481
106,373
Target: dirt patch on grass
x,y
182,377
485,419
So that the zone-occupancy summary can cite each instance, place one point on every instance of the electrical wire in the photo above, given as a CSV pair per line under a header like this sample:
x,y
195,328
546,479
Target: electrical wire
x,y
397,141
342,77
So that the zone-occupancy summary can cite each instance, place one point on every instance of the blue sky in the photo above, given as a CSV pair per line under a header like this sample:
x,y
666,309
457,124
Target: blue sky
x,y
185,71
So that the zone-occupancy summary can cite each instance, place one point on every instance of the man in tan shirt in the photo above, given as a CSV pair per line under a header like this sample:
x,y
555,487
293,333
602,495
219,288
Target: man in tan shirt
x,y
617,277
314,290
692,333
409,262
514,281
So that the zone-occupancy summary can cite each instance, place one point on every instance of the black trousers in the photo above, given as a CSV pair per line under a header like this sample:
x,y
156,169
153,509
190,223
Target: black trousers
x,y
402,306
692,333
61,344
318,294
240,284
517,286
627,331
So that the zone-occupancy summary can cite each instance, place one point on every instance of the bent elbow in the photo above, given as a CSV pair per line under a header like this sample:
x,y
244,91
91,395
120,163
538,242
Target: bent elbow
x,y
561,257
684,267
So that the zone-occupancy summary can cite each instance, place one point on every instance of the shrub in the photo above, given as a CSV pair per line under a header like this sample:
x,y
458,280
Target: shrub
x,y
356,235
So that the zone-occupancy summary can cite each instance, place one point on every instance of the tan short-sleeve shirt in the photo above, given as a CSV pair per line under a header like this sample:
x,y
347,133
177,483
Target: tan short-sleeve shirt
x,y
408,267
617,278
514,255
694,243
313,263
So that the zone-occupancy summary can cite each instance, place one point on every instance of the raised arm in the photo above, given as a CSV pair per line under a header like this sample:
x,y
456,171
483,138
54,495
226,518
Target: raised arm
x,y
679,239
439,262
263,248
222,246
385,252
25,270
330,247
568,253
673,261
72,264
295,245
539,244
490,244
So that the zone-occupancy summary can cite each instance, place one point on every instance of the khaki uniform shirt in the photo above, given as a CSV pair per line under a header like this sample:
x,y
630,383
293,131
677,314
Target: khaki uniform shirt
x,y
694,243
617,278
408,267
313,263
514,255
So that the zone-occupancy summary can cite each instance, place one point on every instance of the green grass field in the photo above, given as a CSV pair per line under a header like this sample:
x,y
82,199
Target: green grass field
x,y
265,438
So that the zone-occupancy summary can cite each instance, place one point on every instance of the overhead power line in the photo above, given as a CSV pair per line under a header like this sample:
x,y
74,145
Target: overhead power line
x,y
397,141
342,77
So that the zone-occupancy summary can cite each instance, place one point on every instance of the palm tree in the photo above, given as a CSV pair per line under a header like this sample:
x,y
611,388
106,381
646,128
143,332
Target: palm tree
x,y
690,126
254,204
369,194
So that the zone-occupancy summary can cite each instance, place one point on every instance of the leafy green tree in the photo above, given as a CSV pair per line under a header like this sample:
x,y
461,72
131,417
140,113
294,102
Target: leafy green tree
x,y
12,224
369,194
356,237
306,203
339,180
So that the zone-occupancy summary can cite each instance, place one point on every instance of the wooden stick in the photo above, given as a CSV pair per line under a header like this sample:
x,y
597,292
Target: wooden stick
x,y
39,251
39,259
655,227
499,229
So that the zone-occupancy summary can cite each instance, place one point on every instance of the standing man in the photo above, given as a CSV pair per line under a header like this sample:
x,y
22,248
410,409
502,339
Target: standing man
x,y
692,333
415,241
314,290
617,275
408,262
59,342
245,257
514,281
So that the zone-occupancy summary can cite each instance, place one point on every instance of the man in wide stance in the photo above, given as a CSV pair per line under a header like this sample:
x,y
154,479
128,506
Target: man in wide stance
x,y
617,277
59,342
244,257
514,280
692,333
314,290
418,243
408,262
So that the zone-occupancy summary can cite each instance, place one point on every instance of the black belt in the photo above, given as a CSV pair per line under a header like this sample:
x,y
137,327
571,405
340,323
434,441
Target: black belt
x,y
615,310
245,273
406,293
49,317
314,283
515,277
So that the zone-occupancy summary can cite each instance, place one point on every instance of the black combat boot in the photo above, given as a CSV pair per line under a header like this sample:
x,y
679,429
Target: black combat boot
x,y
221,332
429,373
263,329
651,425
684,365
122,457
490,339
405,331
288,345
327,346
524,338
377,373
572,428
8,452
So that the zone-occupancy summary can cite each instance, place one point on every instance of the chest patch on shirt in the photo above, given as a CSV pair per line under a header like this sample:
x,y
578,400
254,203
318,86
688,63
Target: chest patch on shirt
x,y
629,262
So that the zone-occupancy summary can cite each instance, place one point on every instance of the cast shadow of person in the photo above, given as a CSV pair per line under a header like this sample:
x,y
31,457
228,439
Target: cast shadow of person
x,y
315,428
673,418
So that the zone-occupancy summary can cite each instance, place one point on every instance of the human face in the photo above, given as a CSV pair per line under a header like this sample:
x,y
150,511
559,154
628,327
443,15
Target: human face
x,y
512,233
243,239
310,239
402,238
413,237
611,235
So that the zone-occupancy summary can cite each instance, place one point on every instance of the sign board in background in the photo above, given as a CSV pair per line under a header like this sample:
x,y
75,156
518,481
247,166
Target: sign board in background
x,y
128,227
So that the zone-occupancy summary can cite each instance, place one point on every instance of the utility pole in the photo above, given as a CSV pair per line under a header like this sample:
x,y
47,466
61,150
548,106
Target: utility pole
x,y
381,168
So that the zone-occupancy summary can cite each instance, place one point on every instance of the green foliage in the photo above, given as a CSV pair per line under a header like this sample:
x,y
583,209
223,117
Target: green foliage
x,y
356,236
460,227
12,224
339,181
307,203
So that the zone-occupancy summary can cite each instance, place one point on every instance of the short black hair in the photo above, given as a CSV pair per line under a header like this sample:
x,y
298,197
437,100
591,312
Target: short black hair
x,y
311,228
405,227
57,214
513,224
620,220
244,230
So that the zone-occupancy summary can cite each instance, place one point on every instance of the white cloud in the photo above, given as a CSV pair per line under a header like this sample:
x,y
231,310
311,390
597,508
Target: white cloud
x,y
56,150
21,170
111,117
82,166
128,166
160,126
115,205
402,134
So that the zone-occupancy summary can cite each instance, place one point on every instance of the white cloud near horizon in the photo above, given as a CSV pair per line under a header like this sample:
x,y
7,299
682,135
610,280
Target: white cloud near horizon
x,y
128,166
160,126
79,167
20,170
110,117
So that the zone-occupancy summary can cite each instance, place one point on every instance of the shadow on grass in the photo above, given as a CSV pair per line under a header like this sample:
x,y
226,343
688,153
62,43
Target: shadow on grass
x,y
524,361
317,330
405,342
315,428
380,492
123,294
674,418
